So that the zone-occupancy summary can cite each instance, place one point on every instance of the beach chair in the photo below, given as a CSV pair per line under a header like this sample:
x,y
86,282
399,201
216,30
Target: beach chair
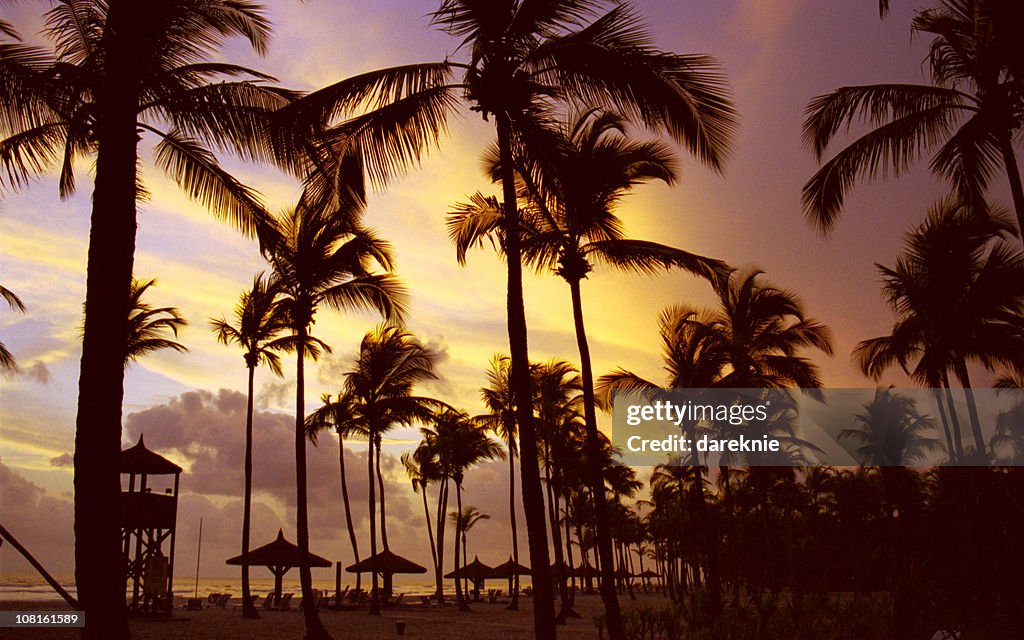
x,y
213,597
528,591
426,600
268,603
222,601
398,601
253,599
286,602
194,604
492,596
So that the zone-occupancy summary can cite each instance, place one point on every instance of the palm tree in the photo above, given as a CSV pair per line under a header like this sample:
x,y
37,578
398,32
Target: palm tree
x,y
457,443
525,55
464,521
342,416
257,329
148,326
752,340
422,471
381,381
890,431
6,358
972,107
572,186
120,69
501,420
322,256
957,292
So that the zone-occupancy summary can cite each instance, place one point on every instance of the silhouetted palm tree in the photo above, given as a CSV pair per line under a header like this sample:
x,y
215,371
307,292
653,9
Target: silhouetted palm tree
x,y
422,471
381,382
323,256
6,358
957,292
456,442
148,326
891,430
524,55
258,325
122,69
972,108
343,417
497,396
571,186
464,521
751,340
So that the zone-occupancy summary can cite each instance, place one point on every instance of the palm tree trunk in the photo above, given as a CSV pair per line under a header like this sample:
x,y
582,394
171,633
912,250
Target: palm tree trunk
x,y
556,540
430,527
314,627
1013,174
613,614
459,599
442,507
972,410
514,604
522,391
348,510
383,520
945,425
248,609
99,565
954,419
372,501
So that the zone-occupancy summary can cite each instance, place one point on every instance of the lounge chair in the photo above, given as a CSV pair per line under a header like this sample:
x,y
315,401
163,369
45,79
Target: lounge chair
x,y
213,597
286,602
222,601
194,604
268,603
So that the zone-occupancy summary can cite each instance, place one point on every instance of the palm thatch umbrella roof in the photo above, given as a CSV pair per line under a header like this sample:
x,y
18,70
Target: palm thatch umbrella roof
x,y
509,569
475,570
279,556
586,572
139,459
648,573
386,562
279,553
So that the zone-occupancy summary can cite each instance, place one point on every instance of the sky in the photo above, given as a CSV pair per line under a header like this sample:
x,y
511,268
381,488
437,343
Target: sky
x,y
191,407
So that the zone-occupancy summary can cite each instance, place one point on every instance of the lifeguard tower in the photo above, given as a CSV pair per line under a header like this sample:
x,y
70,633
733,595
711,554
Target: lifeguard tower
x,y
149,509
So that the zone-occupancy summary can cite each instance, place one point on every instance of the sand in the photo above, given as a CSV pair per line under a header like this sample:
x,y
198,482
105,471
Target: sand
x,y
486,621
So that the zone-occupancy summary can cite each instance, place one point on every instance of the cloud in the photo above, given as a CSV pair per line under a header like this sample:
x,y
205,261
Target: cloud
x,y
37,372
204,432
62,461
40,521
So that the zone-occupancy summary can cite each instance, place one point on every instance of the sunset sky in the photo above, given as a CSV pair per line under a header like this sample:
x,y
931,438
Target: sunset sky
x,y
777,55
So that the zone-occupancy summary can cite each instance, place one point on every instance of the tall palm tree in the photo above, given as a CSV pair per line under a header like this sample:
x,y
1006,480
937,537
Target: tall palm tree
x,y
122,69
457,443
257,330
343,417
971,110
6,358
422,471
148,326
572,185
501,420
323,256
525,55
958,293
381,382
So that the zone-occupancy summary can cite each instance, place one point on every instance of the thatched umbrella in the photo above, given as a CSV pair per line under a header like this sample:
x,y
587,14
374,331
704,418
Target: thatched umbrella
x,y
386,562
279,556
475,571
509,570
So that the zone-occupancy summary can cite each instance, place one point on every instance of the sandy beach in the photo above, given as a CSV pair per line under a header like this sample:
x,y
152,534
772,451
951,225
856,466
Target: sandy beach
x,y
485,621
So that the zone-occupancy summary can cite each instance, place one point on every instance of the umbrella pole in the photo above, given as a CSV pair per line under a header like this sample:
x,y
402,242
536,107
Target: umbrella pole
x,y
278,575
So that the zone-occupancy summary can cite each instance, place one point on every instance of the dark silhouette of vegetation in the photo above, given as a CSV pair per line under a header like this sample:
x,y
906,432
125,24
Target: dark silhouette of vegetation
x,y
258,325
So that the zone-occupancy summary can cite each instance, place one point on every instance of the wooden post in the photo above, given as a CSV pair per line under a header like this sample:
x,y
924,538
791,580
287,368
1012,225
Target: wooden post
x,y
5,534
337,584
